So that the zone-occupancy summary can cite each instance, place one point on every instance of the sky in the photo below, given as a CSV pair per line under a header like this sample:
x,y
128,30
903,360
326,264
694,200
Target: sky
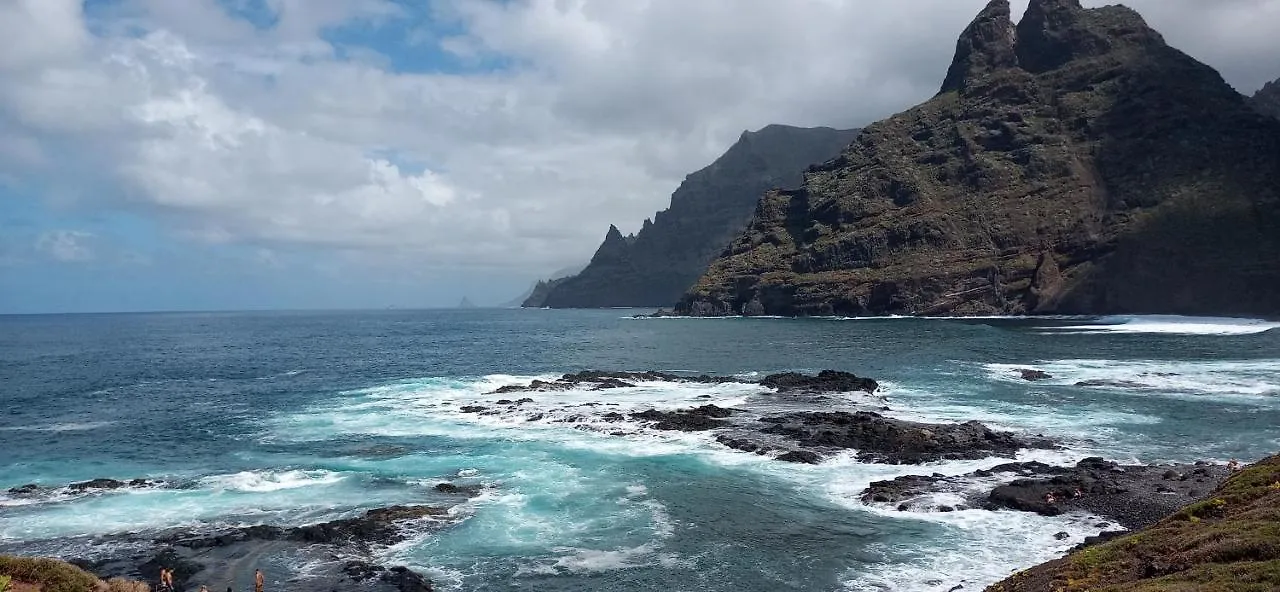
x,y
250,154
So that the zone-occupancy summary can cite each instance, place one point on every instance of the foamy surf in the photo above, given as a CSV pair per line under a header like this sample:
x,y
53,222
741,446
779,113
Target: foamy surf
x,y
1169,324
595,422
1240,381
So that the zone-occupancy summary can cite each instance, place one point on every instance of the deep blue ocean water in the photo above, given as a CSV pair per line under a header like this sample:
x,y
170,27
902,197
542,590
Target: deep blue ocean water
x,y
297,417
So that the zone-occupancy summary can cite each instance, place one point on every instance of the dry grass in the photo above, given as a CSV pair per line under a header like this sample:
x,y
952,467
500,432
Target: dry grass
x,y
50,575
123,585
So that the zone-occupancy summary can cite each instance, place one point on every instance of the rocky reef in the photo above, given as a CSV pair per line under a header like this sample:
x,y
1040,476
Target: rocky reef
x,y
1073,163
712,206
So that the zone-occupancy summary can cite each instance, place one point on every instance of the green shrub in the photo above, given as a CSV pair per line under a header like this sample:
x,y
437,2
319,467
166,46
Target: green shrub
x,y
4,583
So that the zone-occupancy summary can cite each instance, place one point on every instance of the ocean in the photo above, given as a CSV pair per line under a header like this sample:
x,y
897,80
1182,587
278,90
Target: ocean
x,y
291,418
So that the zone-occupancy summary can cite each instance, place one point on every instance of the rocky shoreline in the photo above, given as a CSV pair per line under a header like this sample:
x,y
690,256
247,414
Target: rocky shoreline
x,y
341,554
1131,496
792,420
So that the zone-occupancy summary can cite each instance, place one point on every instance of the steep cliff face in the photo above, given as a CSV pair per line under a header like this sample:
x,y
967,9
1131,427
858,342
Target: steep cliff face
x,y
656,265
1267,100
1074,163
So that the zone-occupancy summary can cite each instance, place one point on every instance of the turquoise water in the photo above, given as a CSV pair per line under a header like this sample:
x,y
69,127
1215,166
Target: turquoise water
x,y
290,418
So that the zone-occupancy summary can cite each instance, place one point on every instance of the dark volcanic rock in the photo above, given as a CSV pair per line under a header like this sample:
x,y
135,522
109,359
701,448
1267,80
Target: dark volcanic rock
x,y
881,439
684,421
602,380
1134,496
900,489
1077,164
378,526
1225,541
801,456
97,484
655,266
1033,375
827,381
1267,99
452,489
406,580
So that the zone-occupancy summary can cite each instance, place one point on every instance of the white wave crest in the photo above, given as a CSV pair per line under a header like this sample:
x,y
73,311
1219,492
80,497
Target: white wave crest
x,y
1253,381
267,481
1169,324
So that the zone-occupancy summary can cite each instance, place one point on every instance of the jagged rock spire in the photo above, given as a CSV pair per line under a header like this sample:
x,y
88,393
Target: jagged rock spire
x,y
1054,32
987,44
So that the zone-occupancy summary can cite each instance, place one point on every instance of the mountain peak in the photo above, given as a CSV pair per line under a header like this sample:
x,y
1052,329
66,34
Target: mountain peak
x,y
987,44
614,235
1074,158
1055,32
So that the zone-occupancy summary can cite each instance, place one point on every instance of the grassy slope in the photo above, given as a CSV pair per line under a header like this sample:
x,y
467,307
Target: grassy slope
x,y
1228,542
51,575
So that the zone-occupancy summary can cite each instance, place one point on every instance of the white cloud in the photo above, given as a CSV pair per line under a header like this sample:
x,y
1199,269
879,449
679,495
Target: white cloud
x,y
66,246
227,132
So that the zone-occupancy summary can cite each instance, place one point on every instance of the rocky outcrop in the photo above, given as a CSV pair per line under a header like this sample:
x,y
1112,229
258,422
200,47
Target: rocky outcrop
x,y
1267,99
1074,163
1227,541
827,381
657,264
699,419
224,556
1132,496
894,441
1135,496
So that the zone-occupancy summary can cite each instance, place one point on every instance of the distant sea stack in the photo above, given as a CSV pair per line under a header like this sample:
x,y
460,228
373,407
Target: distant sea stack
x,y
656,265
1074,163
1267,100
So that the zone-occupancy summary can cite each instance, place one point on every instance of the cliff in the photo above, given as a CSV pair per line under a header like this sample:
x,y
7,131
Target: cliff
x,y
1228,542
1074,163
1267,100
657,264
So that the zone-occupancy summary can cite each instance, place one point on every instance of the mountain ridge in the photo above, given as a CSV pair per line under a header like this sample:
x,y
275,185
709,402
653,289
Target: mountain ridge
x,y
657,264
1073,163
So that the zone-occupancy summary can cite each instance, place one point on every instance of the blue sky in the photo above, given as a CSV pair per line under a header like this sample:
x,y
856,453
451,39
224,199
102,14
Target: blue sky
x,y
231,154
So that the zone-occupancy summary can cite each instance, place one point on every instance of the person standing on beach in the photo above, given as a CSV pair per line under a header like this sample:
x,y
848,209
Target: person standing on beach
x,y
258,581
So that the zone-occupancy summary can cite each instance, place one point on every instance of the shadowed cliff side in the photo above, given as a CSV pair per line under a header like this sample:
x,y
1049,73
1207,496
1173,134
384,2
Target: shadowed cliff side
x,y
1074,163
1267,99
656,265
1228,542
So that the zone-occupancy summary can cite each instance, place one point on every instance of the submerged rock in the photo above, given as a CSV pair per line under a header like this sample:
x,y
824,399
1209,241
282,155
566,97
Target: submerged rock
x,y
1033,375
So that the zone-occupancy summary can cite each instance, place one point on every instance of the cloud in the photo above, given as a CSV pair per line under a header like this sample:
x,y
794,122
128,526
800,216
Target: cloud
x,y
66,246
501,135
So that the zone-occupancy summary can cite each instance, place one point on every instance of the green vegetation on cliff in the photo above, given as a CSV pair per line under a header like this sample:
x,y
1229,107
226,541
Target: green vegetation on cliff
x,y
1228,542
1074,163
